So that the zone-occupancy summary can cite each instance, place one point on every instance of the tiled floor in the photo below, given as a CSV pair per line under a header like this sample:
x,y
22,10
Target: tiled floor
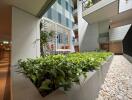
x,y
3,75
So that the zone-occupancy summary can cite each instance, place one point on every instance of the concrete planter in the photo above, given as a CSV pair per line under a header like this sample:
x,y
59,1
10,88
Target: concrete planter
x,y
89,88
23,89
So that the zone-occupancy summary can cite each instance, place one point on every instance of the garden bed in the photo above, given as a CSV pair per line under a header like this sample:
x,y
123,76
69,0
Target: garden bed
x,y
66,71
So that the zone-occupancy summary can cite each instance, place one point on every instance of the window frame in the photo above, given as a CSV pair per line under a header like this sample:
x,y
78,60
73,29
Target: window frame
x,y
59,1
59,18
66,4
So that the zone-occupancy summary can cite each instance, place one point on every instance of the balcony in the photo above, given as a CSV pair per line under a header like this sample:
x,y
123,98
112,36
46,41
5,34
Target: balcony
x,y
99,10
125,5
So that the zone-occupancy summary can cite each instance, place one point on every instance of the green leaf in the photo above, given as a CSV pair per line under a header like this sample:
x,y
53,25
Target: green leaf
x,y
45,85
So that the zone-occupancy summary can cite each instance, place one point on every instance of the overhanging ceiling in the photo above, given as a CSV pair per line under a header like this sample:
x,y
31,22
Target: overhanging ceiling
x,y
34,7
123,16
103,10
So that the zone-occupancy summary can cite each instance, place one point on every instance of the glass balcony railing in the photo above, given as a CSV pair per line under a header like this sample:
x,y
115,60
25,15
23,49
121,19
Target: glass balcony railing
x,y
88,3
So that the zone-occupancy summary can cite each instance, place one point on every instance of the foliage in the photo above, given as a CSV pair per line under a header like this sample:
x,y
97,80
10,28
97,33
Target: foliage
x,y
89,3
51,72
45,37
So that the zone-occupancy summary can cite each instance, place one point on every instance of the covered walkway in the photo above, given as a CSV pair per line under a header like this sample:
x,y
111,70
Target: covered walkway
x,y
4,64
118,82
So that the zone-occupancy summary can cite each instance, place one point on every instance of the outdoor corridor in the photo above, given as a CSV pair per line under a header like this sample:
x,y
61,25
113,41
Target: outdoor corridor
x,y
4,64
118,82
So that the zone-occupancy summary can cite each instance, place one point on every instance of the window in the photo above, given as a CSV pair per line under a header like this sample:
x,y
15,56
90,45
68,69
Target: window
x,y
59,18
72,9
62,38
72,24
59,38
66,5
67,22
59,1
50,13
65,38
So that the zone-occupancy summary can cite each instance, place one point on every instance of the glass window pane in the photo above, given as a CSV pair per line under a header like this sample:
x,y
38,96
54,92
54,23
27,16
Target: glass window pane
x,y
59,1
66,5
59,18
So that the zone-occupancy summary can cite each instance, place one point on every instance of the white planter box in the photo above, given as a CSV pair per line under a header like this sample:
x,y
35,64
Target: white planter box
x,y
23,89
89,88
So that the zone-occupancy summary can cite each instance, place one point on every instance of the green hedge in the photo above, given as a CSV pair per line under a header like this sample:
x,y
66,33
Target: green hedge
x,y
54,71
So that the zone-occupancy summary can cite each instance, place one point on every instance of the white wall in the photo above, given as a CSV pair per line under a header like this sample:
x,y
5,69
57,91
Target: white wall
x,y
125,5
118,33
88,34
104,26
121,23
25,31
119,29
89,39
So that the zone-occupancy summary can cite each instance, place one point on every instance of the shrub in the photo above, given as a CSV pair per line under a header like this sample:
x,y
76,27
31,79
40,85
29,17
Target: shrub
x,y
51,72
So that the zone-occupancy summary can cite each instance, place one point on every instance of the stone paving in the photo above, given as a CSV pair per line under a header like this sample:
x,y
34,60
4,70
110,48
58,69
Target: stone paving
x,y
118,82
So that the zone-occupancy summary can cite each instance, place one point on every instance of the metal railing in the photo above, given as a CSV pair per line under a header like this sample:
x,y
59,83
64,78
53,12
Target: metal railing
x,y
88,3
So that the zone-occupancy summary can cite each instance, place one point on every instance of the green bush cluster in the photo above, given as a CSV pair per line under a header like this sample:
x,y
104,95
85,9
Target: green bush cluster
x,y
51,72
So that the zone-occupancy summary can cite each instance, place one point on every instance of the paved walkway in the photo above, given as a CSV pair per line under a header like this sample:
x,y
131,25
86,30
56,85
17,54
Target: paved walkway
x,y
3,77
118,82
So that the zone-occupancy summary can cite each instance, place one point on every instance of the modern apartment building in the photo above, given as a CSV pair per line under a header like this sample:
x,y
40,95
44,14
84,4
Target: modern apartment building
x,y
104,24
59,18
